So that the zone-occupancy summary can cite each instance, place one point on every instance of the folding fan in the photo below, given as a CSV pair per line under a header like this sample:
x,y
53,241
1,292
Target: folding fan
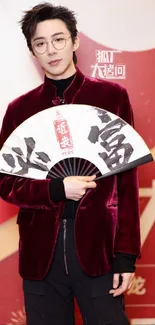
x,y
72,140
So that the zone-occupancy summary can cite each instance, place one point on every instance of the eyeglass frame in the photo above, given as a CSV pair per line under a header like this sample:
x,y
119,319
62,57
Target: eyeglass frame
x,y
51,41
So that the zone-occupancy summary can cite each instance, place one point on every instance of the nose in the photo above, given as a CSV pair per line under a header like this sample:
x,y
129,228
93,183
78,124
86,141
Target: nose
x,y
50,48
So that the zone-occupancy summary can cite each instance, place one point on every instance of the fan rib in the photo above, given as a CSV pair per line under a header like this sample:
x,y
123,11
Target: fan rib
x,y
51,172
63,170
70,166
64,162
74,165
93,171
83,167
78,168
86,170
58,171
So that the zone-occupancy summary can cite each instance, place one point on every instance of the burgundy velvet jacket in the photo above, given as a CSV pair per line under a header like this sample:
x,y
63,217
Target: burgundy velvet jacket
x,y
107,218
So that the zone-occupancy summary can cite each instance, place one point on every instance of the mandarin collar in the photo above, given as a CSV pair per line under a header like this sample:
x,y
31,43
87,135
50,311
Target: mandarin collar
x,y
49,89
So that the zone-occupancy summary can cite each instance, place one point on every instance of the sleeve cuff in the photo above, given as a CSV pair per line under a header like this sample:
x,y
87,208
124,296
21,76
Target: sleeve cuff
x,y
57,190
124,263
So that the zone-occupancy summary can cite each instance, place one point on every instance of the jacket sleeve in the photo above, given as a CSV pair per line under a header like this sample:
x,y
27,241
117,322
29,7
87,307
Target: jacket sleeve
x,y
23,192
124,263
128,232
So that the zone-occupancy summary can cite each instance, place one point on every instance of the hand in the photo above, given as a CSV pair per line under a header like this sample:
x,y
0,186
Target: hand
x,y
76,186
127,279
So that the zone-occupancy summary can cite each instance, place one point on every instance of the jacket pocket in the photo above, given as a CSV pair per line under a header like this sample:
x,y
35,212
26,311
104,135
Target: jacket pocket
x,y
112,205
112,214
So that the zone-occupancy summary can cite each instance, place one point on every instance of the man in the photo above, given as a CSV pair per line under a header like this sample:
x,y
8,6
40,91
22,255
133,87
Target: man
x,y
78,238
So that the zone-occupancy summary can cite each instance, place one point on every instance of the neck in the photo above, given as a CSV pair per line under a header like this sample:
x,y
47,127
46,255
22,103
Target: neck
x,y
61,84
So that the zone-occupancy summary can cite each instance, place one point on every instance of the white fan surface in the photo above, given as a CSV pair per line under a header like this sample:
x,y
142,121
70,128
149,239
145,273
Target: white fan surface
x,y
72,140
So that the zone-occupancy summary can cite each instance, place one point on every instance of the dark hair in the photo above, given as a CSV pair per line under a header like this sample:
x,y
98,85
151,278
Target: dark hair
x,y
45,11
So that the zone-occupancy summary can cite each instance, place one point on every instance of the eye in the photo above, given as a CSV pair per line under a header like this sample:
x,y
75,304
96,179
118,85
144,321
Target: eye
x,y
40,44
59,39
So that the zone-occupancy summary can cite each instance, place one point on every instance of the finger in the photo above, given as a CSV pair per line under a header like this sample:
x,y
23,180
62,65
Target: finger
x,y
116,278
118,292
86,178
124,286
126,283
90,185
77,198
116,289
83,192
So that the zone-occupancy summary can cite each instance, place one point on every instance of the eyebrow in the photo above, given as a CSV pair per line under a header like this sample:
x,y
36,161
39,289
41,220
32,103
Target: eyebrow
x,y
42,37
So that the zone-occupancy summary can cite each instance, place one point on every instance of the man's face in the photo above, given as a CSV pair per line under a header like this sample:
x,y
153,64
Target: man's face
x,y
53,47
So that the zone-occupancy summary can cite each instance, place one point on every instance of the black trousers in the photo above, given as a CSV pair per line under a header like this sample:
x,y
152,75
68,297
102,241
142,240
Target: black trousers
x,y
51,301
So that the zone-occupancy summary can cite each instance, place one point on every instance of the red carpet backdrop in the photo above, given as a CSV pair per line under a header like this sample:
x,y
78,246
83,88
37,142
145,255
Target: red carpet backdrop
x,y
117,44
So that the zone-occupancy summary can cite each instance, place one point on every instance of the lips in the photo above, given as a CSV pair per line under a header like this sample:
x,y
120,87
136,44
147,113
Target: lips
x,y
54,62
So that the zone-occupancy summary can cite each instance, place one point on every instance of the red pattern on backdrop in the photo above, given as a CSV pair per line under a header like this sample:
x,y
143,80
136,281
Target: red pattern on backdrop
x,y
140,73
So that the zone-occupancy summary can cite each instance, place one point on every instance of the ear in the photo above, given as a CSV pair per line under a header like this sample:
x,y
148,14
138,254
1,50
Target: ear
x,y
76,43
33,55
32,52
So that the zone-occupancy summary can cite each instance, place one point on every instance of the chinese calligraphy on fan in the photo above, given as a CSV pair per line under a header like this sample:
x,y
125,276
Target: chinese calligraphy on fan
x,y
116,151
26,164
106,67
